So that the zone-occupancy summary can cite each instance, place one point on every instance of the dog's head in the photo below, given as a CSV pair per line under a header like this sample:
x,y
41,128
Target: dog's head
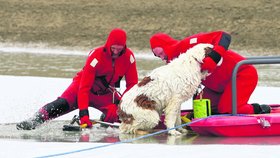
x,y
199,51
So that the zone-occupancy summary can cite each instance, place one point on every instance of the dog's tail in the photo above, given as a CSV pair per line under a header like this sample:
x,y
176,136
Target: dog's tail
x,y
141,119
139,113
147,119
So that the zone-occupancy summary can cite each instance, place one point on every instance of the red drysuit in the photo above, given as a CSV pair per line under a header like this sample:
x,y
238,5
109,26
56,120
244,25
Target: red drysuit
x,y
92,86
218,83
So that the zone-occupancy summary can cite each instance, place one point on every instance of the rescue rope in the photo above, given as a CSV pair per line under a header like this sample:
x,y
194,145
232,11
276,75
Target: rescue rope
x,y
131,140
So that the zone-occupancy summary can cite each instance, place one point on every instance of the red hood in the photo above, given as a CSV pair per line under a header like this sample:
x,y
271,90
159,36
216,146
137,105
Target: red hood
x,y
166,42
116,36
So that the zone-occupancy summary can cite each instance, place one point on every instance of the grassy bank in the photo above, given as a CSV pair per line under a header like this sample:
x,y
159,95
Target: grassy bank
x,y
254,25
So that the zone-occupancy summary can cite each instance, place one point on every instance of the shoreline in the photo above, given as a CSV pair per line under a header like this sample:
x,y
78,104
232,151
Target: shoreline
x,y
42,48
45,48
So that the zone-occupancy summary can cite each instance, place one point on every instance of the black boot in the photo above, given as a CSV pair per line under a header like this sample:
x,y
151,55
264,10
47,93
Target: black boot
x,y
53,109
261,109
31,123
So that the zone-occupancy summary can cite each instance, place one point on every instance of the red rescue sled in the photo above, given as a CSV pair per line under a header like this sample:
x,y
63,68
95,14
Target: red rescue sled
x,y
238,125
241,125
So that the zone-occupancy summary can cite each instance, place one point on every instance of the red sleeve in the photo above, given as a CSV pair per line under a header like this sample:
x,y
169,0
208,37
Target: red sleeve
x,y
131,76
219,39
87,80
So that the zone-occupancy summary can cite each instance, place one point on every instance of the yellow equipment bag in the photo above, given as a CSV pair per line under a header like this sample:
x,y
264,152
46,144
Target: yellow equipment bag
x,y
201,108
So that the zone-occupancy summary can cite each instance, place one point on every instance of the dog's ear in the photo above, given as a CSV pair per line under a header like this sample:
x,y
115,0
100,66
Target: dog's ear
x,y
207,50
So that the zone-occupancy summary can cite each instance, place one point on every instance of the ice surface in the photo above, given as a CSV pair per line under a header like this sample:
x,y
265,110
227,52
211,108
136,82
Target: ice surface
x,y
20,97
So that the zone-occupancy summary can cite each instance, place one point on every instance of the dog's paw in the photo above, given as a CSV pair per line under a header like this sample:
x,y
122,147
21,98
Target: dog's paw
x,y
182,130
141,132
174,132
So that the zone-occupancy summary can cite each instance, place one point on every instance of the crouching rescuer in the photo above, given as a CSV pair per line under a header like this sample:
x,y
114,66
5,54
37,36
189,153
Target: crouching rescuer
x,y
219,62
95,85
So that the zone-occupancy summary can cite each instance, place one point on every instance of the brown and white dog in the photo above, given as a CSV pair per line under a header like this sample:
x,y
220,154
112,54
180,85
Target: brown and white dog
x,y
163,91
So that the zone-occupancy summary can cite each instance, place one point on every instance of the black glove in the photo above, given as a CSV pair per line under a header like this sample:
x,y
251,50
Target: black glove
x,y
261,109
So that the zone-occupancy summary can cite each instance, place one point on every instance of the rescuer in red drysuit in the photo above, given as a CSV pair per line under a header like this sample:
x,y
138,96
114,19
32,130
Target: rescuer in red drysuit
x,y
95,85
220,63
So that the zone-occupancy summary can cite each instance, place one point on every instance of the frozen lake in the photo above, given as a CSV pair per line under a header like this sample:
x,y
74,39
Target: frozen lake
x,y
21,96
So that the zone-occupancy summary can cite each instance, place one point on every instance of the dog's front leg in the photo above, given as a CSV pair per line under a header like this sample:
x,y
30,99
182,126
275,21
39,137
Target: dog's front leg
x,y
179,122
171,112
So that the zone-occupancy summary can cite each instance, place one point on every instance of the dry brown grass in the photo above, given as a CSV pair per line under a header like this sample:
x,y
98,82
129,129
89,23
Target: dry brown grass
x,y
255,25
